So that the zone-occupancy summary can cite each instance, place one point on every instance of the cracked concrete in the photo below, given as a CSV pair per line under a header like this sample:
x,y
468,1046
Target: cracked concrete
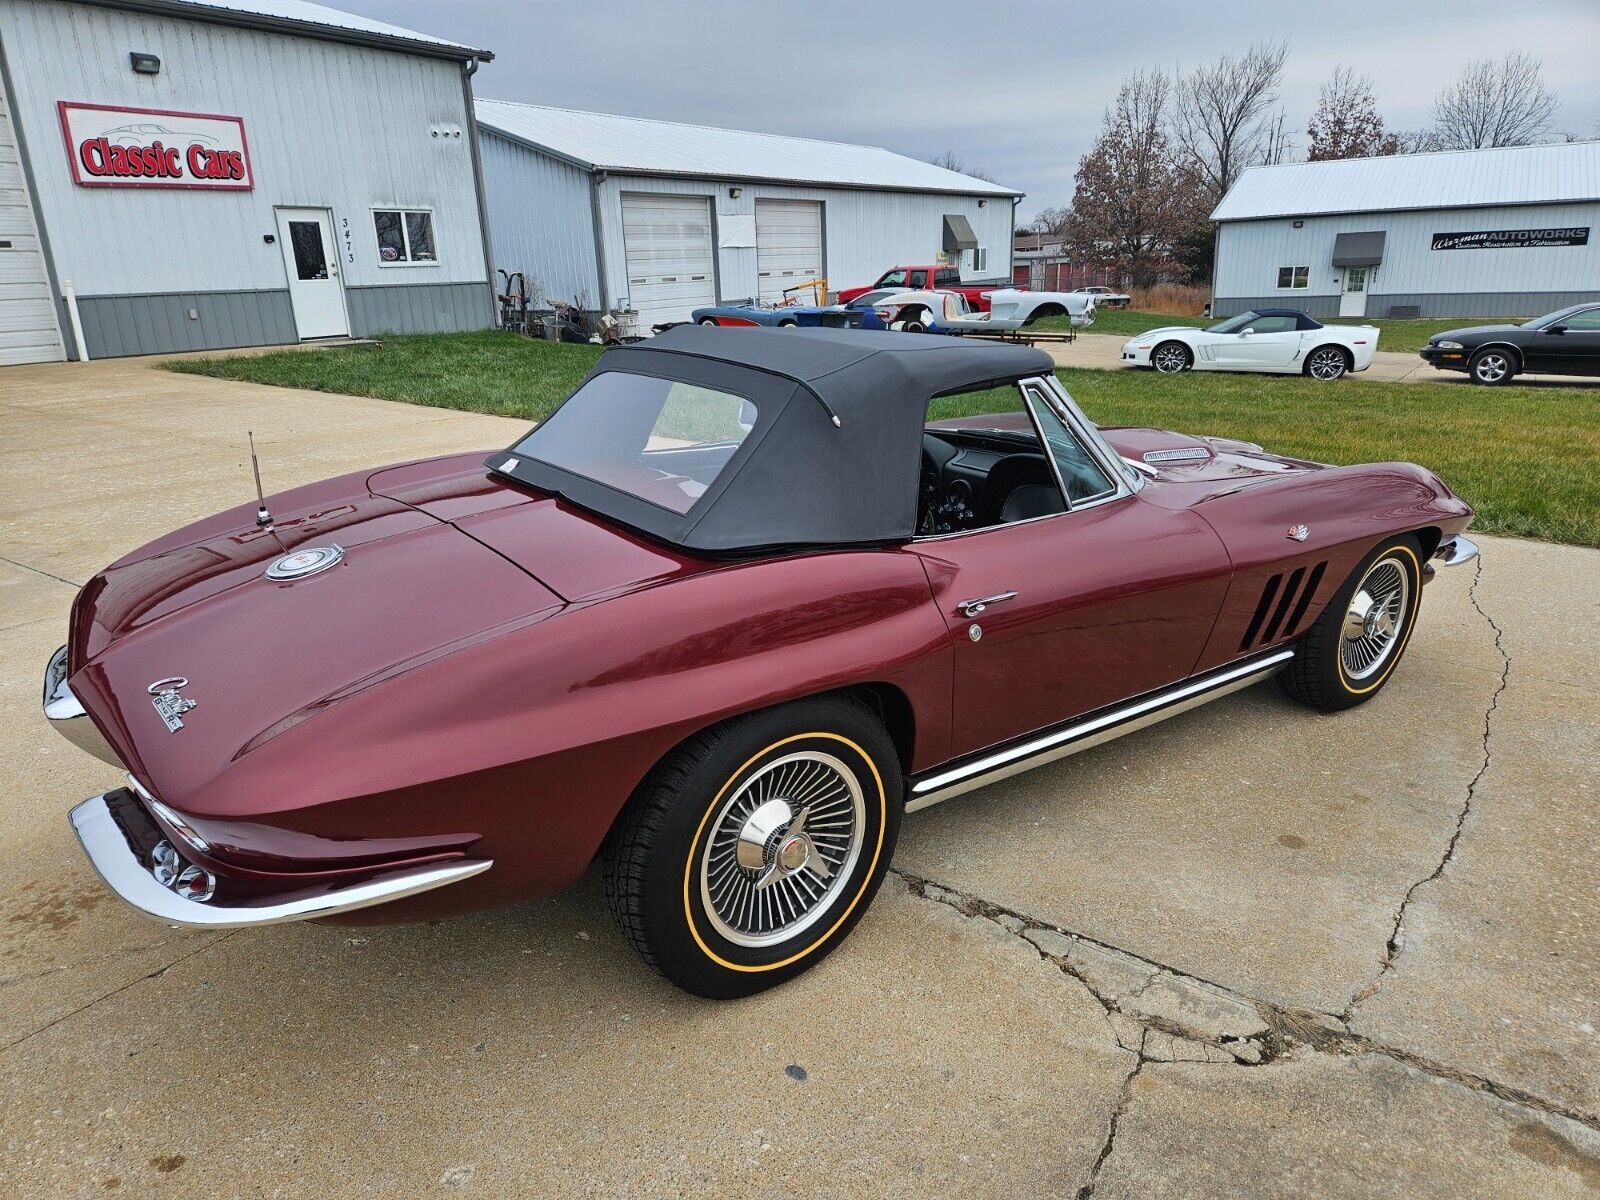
x,y
1127,975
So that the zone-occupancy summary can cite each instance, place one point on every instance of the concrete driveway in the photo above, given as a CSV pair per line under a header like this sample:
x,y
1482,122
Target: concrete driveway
x,y
1104,352
1251,952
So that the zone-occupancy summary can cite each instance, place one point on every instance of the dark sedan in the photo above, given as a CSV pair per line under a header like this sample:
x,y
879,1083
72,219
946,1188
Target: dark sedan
x,y
1566,342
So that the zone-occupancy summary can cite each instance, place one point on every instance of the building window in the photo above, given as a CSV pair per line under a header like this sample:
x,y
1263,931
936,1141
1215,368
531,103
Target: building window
x,y
980,260
405,236
1293,277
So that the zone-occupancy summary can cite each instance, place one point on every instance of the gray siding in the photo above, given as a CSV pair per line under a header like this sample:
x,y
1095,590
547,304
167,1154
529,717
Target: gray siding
x,y
1444,282
541,218
419,308
160,324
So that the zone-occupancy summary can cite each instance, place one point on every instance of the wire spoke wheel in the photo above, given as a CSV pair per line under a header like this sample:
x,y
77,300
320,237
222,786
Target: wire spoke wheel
x,y
1374,622
782,848
1326,363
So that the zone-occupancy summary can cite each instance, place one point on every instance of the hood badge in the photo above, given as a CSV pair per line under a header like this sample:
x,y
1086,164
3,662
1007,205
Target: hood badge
x,y
170,705
305,562
1299,533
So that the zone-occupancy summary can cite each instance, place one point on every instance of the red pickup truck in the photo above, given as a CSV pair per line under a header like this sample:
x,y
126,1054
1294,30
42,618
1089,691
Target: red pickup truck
x,y
941,278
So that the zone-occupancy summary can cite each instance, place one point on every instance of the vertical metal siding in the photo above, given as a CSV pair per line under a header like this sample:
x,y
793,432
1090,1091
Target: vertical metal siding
x,y
540,218
420,308
329,125
1250,252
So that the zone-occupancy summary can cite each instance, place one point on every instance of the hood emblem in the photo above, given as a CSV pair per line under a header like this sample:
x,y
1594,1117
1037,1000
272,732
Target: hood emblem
x,y
1299,533
305,562
170,705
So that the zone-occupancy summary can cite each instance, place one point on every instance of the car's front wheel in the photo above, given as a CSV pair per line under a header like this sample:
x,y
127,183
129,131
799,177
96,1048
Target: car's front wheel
x,y
1171,357
750,852
1327,363
708,321
1349,653
1491,367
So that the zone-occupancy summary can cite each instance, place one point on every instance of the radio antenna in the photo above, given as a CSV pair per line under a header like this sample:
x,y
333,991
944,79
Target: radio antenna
x,y
263,517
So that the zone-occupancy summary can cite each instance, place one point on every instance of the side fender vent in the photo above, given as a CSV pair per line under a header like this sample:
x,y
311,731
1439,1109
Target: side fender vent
x,y
1281,600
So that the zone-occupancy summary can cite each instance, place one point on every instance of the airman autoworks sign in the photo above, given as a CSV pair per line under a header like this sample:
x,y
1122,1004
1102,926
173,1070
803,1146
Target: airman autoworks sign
x,y
1512,239
113,146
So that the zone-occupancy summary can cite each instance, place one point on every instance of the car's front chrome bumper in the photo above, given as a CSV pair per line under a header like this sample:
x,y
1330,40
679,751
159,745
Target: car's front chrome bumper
x,y
66,715
112,854
1454,552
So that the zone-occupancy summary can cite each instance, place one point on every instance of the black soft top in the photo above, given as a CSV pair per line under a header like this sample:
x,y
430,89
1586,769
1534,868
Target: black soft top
x,y
835,453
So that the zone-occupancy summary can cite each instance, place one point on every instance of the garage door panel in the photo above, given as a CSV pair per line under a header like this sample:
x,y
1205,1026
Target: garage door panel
x,y
788,245
667,240
28,329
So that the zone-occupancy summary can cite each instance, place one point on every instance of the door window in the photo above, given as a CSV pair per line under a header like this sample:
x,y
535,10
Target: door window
x,y
310,259
919,279
1273,325
1355,279
1081,477
1584,322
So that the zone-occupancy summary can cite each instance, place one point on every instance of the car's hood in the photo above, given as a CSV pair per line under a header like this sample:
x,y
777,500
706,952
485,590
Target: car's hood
x,y
255,655
1471,331
1190,470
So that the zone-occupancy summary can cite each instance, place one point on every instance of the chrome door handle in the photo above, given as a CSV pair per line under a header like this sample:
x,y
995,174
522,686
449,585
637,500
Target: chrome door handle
x,y
971,608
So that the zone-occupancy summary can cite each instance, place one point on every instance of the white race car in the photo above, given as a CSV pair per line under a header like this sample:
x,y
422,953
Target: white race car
x,y
1009,310
1280,340
1106,297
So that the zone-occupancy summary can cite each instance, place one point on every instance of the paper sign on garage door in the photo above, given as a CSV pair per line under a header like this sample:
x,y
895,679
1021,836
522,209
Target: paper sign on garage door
x,y
668,245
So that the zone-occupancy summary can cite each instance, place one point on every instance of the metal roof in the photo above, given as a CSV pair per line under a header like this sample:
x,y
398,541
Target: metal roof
x,y
1550,174
638,146
303,19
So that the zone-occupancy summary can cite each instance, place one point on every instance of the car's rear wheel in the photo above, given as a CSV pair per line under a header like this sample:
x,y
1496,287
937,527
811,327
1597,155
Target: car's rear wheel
x,y
1171,357
914,322
711,321
1352,649
1327,363
1491,367
751,851
788,324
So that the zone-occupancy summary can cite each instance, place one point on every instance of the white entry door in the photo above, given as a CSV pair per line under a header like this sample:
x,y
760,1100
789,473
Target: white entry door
x,y
312,259
1353,298
667,241
788,247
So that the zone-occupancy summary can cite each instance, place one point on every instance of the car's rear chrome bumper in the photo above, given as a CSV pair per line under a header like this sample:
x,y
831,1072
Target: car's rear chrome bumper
x,y
66,715
132,879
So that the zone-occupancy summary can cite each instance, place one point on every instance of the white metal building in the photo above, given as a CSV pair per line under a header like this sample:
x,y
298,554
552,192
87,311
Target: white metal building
x,y
194,174
1507,232
622,212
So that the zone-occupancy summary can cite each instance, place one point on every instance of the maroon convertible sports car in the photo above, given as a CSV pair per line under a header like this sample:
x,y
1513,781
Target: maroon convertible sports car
x,y
722,618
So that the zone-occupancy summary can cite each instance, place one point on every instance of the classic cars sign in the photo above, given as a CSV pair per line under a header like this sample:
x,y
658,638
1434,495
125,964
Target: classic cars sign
x,y
1512,239
108,146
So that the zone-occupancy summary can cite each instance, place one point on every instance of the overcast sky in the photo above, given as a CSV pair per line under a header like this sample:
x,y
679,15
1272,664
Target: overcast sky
x,y
1014,87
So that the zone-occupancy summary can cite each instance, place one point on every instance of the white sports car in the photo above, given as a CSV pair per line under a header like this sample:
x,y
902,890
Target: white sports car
x,y
1280,340
1009,310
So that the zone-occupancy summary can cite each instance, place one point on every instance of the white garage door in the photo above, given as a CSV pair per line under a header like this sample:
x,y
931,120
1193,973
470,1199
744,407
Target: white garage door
x,y
28,329
668,245
788,246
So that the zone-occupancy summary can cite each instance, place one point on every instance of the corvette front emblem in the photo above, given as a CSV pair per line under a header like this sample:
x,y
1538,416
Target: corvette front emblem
x,y
1299,532
169,704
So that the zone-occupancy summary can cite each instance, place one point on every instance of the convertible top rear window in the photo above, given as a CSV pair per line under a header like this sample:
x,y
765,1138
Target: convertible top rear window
x,y
660,440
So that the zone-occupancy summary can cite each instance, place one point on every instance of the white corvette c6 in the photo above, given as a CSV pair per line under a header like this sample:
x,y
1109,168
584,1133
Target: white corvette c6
x,y
1283,341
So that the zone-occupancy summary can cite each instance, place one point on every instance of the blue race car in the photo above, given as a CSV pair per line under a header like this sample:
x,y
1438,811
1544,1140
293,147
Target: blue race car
x,y
858,314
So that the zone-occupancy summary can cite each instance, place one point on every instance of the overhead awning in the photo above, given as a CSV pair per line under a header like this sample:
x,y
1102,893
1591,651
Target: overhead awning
x,y
1358,249
958,233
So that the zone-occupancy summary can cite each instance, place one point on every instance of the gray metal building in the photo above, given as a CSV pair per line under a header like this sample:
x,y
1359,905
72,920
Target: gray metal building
x,y
663,218
194,174
1471,233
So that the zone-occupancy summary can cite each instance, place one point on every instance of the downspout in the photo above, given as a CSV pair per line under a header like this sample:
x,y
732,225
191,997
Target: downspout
x,y
70,296
597,178
1011,245
468,70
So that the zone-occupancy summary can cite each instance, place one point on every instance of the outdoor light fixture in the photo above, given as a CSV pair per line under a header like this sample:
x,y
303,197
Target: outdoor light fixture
x,y
1299,224
735,193
144,64
983,204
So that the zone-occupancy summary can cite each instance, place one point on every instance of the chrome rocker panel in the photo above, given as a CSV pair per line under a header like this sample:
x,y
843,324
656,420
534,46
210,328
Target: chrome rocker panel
x,y
66,715
108,849
1108,724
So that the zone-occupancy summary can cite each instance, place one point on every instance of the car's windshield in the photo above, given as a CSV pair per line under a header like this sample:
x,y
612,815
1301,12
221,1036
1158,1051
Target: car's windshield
x,y
1234,324
661,441
1554,318
893,279
871,298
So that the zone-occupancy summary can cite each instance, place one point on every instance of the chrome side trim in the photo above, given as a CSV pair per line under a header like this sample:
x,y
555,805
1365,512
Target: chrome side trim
x,y
66,714
108,849
1456,551
1093,731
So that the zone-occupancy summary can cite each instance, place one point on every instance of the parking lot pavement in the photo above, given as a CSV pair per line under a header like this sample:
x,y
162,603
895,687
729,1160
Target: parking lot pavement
x,y
1103,351
1250,952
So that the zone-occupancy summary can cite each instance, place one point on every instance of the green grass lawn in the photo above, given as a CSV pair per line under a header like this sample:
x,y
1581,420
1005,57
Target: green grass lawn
x,y
1526,457
1406,337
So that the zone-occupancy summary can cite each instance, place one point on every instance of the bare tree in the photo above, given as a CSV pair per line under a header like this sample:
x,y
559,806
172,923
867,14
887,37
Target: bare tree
x,y
1220,124
1346,123
1130,203
951,161
1050,220
1418,141
1493,103
1277,144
